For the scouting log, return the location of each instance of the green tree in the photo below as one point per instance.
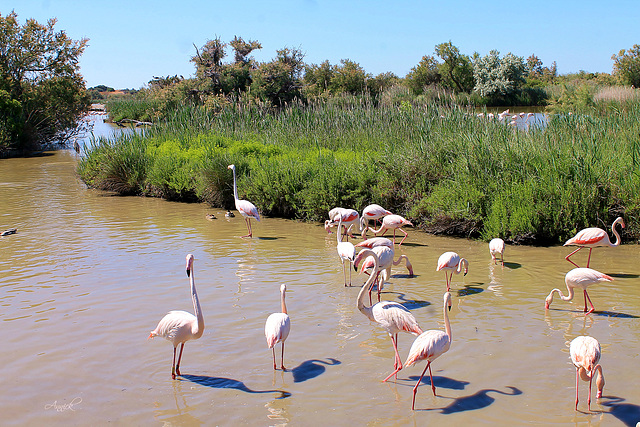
(349, 77)
(456, 70)
(626, 65)
(495, 76)
(279, 81)
(422, 75)
(42, 94)
(317, 78)
(208, 61)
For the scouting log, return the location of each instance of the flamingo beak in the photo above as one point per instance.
(188, 272)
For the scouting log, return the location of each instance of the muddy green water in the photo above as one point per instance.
(88, 275)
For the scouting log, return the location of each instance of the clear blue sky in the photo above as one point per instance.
(132, 41)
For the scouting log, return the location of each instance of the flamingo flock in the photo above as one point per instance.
(376, 256)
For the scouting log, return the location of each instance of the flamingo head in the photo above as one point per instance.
(447, 299)
(189, 264)
(232, 167)
(327, 226)
(548, 301)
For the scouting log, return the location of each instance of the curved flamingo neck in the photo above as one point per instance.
(284, 306)
(615, 233)
(235, 187)
(569, 296)
(339, 237)
(447, 325)
(360, 303)
(462, 264)
(196, 306)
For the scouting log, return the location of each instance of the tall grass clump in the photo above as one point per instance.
(440, 165)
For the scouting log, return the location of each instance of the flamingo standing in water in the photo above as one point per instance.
(582, 278)
(593, 237)
(452, 262)
(385, 261)
(277, 327)
(371, 212)
(181, 326)
(585, 355)
(375, 241)
(496, 246)
(245, 207)
(346, 252)
(393, 317)
(350, 218)
(392, 222)
(429, 346)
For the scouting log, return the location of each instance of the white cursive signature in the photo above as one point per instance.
(61, 407)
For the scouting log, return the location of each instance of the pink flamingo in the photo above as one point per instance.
(429, 346)
(392, 222)
(277, 327)
(375, 241)
(496, 246)
(385, 261)
(350, 218)
(393, 317)
(181, 326)
(582, 278)
(246, 208)
(452, 262)
(346, 252)
(585, 355)
(593, 237)
(371, 212)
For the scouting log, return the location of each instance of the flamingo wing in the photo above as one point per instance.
(587, 237)
(175, 326)
(448, 260)
(585, 352)
(276, 328)
(395, 318)
(428, 346)
(346, 250)
(247, 209)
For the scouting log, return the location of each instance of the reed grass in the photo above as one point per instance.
(442, 167)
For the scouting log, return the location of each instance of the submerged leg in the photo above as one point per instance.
(179, 359)
(577, 382)
(273, 351)
(282, 358)
(173, 365)
(415, 389)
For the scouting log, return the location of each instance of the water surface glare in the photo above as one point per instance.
(88, 275)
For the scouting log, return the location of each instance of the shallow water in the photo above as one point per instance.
(88, 275)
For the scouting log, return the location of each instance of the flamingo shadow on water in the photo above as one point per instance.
(409, 304)
(601, 313)
(470, 290)
(312, 368)
(478, 400)
(441, 382)
(512, 265)
(628, 413)
(218, 382)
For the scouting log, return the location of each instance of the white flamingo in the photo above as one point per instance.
(392, 222)
(277, 327)
(372, 212)
(582, 278)
(181, 326)
(393, 317)
(593, 237)
(496, 246)
(245, 207)
(385, 261)
(346, 252)
(451, 261)
(585, 355)
(429, 346)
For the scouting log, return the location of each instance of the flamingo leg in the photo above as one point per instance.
(179, 359)
(586, 297)
(415, 389)
(394, 236)
(248, 222)
(589, 258)
(589, 395)
(273, 351)
(433, 386)
(173, 365)
(567, 257)
(405, 236)
(577, 382)
(282, 358)
(398, 363)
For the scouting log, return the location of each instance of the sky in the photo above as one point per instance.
(131, 42)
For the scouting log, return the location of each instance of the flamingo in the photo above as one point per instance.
(392, 222)
(375, 241)
(277, 327)
(496, 246)
(350, 217)
(429, 346)
(585, 355)
(371, 212)
(593, 237)
(582, 278)
(346, 252)
(181, 326)
(246, 208)
(451, 261)
(385, 261)
(393, 317)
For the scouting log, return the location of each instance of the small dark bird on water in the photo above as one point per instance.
(229, 214)
(9, 231)
(210, 217)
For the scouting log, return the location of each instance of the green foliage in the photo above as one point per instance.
(497, 76)
(423, 75)
(42, 95)
(456, 70)
(626, 65)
